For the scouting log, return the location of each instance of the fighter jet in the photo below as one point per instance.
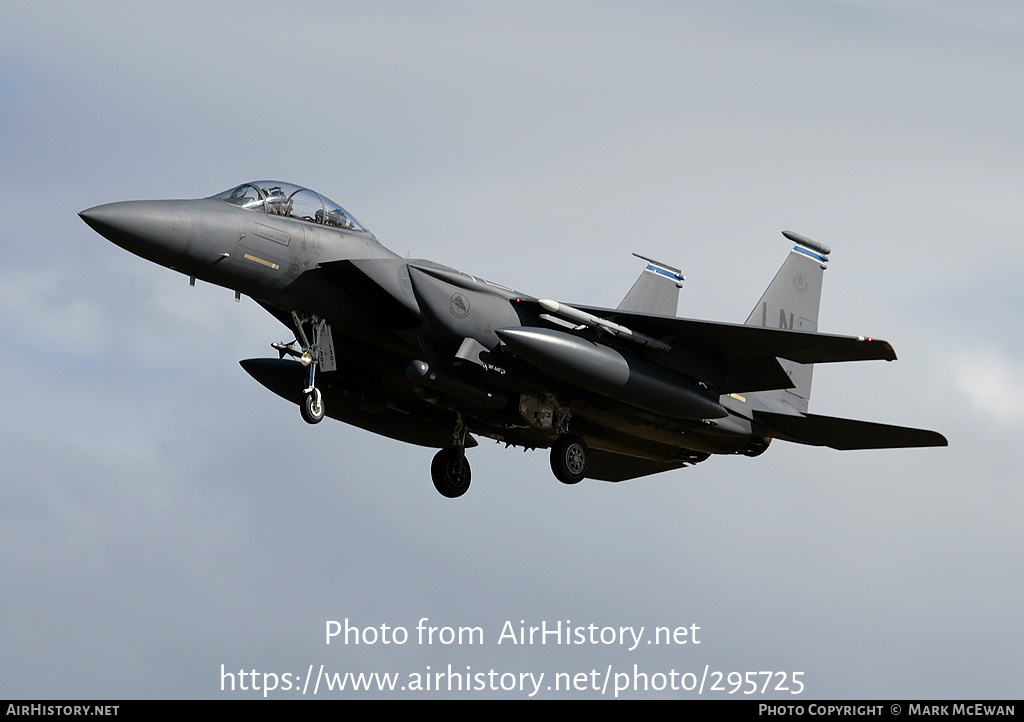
(425, 354)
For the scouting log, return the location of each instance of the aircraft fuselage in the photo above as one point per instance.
(425, 354)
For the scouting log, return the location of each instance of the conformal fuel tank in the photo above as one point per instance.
(607, 371)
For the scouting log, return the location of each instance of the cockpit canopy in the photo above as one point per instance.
(285, 199)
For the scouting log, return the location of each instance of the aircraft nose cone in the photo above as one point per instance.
(156, 230)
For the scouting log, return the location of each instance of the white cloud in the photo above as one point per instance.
(993, 384)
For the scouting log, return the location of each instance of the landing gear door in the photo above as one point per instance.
(325, 352)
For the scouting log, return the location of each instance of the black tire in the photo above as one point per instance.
(570, 458)
(312, 412)
(450, 472)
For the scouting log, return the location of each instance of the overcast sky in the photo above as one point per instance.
(161, 514)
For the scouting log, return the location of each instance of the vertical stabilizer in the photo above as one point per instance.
(791, 302)
(656, 291)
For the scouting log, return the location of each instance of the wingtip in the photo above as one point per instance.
(888, 352)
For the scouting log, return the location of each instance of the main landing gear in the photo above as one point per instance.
(450, 472)
(450, 468)
(569, 459)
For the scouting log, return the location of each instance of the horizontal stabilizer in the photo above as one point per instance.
(845, 434)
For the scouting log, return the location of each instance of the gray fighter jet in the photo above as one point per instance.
(425, 354)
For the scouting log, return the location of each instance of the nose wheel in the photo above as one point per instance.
(312, 407)
(569, 459)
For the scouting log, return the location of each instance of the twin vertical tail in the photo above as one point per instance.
(791, 302)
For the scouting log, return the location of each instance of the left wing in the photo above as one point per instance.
(738, 342)
(733, 357)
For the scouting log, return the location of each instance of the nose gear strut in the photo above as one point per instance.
(310, 354)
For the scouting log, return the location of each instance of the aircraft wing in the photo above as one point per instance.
(739, 342)
(734, 357)
(609, 466)
(845, 434)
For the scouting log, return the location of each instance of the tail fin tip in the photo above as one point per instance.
(820, 252)
(656, 291)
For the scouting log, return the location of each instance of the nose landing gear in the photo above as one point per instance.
(319, 352)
